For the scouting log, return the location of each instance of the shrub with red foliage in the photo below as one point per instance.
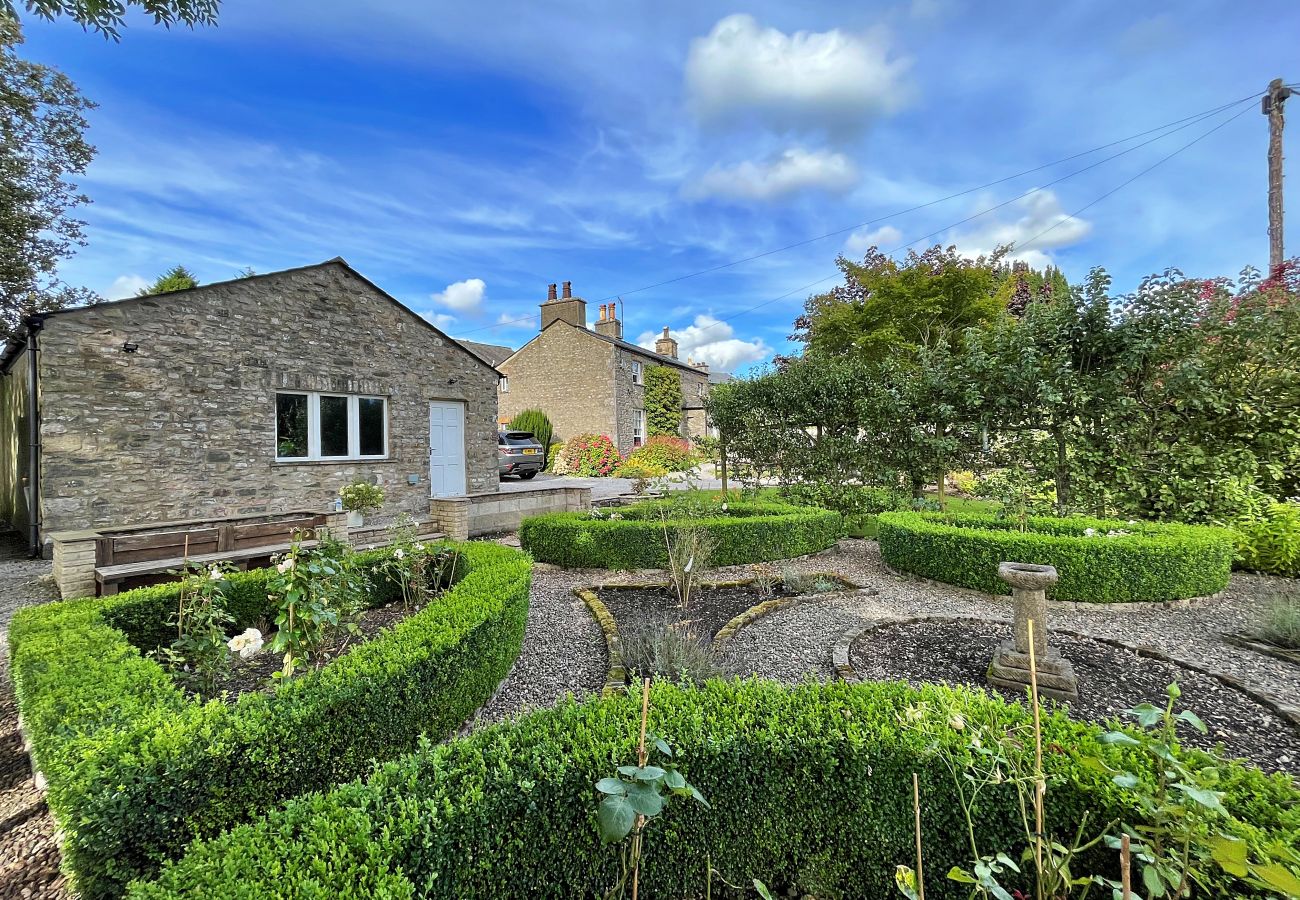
(589, 455)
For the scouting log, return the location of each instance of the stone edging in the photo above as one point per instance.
(1291, 656)
(1070, 605)
(616, 673)
(776, 604)
(844, 666)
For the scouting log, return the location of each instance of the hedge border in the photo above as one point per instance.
(806, 783)
(1151, 563)
(752, 532)
(844, 668)
(135, 769)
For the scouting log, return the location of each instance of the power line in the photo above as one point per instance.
(1020, 246)
(1183, 123)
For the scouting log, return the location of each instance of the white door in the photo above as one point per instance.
(446, 448)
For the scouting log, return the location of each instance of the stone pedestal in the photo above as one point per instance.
(1010, 666)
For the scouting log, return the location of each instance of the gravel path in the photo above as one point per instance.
(29, 857)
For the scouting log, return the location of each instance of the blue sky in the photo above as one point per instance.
(465, 157)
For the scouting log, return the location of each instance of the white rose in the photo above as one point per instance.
(215, 574)
(399, 553)
(246, 644)
(285, 566)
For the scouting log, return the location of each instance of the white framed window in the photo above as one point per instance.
(702, 389)
(636, 372)
(315, 426)
(504, 384)
(638, 429)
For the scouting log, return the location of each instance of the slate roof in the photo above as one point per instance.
(492, 354)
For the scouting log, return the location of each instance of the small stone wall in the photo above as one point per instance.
(463, 517)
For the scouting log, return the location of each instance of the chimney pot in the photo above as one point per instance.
(602, 312)
(550, 292)
(568, 290)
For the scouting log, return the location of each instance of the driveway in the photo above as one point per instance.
(603, 488)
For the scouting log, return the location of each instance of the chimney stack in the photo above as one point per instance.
(609, 325)
(568, 308)
(665, 345)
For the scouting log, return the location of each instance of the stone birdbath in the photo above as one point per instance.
(1010, 666)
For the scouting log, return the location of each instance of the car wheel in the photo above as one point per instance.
(526, 475)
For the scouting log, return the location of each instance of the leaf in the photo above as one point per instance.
(662, 746)
(1194, 720)
(645, 799)
(957, 873)
(1126, 780)
(1278, 878)
(612, 786)
(762, 890)
(1120, 738)
(1230, 853)
(614, 819)
(674, 780)
(1204, 796)
(698, 797)
(1154, 884)
(905, 881)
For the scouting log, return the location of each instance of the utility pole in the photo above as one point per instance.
(1271, 106)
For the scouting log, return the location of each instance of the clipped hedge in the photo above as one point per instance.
(136, 769)
(808, 786)
(748, 532)
(1152, 562)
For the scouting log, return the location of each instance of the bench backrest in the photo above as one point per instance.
(197, 540)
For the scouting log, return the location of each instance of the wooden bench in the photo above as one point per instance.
(149, 556)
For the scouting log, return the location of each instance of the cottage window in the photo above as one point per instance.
(504, 384)
(702, 389)
(638, 429)
(636, 372)
(312, 426)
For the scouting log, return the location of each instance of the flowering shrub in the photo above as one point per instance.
(197, 657)
(362, 496)
(664, 451)
(638, 468)
(589, 455)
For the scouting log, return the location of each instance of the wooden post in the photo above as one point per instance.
(1272, 107)
(640, 761)
(1040, 783)
(723, 455)
(1125, 869)
(916, 809)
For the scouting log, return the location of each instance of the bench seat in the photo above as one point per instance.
(109, 577)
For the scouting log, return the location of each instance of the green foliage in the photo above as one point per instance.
(640, 469)
(663, 401)
(1280, 622)
(746, 532)
(690, 550)
(1179, 828)
(108, 17)
(664, 451)
(177, 278)
(810, 787)
(536, 423)
(588, 455)
(317, 593)
(669, 650)
(361, 496)
(1099, 561)
(199, 657)
(136, 769)
(42, 121)
(851, 500)
(1268, 540)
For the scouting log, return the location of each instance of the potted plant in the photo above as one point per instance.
(361, 497)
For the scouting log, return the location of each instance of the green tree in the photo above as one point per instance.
(177, 278)
(539, 425)
(663, 400)
(42, 148)
(107, 16)
(886, 307)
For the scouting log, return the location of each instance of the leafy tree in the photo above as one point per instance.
(663, 400)
(539, 425)
(107, 16)
(177, 278)
(42, 121)
(886, 307)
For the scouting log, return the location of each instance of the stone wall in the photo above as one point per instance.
(13, 442)
(184, 428)
(463, 517)
(567, 373)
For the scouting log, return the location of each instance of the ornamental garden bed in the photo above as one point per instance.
(809, 789)
(1099, 560)
(136, 768)
(634, 537)
(1111, 679)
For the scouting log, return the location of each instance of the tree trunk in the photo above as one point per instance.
(1063, 498)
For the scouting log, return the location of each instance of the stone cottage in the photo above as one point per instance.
(590, 380)
(258, 395)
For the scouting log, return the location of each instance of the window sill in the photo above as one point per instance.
(364, 460)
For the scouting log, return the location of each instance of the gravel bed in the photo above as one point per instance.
(563, 652)
(1111, 680)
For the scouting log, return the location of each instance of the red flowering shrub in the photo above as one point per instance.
(664, 451)
(589, 455)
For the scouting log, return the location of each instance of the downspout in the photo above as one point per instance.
(34, 326)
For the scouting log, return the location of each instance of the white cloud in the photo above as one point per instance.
(831, 79)
(794, 170)
(886, 237)
(124, 286)
(712, 341)
(442, 321)
(1039, 222)
(462, 296)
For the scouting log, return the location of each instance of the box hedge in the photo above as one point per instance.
(1099, 560)
(136, 769)
(809, 786)
(749, 531)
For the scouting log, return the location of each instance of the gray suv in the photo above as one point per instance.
(519, 453)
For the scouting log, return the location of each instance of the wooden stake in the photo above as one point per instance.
(916, 809)
(1125, 873)
(641, 756)
(1040, 784)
